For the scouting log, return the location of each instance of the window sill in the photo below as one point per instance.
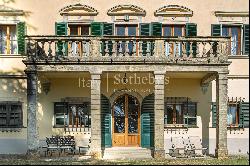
(11, 56)
(238, 57)
(180, 126)
(8, 129)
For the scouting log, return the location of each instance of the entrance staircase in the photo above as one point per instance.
(127, 153)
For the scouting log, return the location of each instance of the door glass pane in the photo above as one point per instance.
(120, 30)
(119, 115)
(170, 111)
(235, 42)
(132, 31)
(225, 31)
(167, 31)
(85, 30)
(179, 115)
(231, 115)
(178, 31)
(133, 107)
(73, 30)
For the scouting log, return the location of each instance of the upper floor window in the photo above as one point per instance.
(79, 29)
(239, 34)
(235, 33)
(8, 39)
(11, 115)
(173, 30)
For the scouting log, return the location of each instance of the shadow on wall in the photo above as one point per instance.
(6, 3)
(13, 85)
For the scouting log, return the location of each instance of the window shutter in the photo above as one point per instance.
(147, 122)
(21, 32)
(144, 31)
(156, 29)
(97, 28)
(246, 39)
(244, 114)
(106, 122)
(61, 30)
(216, 29)
(108, 29)
(214, 117)
(191, 30)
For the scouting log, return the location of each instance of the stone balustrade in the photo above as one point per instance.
(127, 48)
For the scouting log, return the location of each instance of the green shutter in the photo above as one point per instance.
(21, 32)
(244, 114)
(105, 122)
(214, 116)
(61, 30)
(97, 28)
(216, 29)
(156, 29)
(147, 122)
(246, 39)
(108, 29)
(144, 31)
(191, 30)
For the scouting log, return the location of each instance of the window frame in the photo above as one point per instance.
(68, 116)
(241, 47)
(8, 38)
(172, 26)
(184, 105)
(237, 116)
(9, 111)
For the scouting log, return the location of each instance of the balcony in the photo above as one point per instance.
(131, 50)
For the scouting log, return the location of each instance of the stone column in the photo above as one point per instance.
(221, 116)
(159, 151)
(95, 148)
(32, 125)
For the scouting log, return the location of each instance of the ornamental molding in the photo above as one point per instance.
(123, 10)
(174, 11)
(78, 10)
(231, 14)
(9, 11)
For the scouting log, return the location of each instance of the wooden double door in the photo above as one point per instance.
(126, 121)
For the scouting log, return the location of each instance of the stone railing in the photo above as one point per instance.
(120, 48)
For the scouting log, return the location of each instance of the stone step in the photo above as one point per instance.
(127, 153)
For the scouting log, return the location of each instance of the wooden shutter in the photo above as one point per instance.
(144, 31)
(246, 39)
(191, 30)
(21, 32)
(61, 30)
(156, 29)
(108, 29)
(97, 28)
(147, 122)
(214, 116)
(106, 122)
(216, 29)
(244, 114)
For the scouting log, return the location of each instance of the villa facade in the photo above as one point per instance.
(124, 74)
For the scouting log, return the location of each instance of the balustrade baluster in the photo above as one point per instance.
(191, 50)
(50, 50)
(140, 48)
(114, 48)
(148, 50)
(120, 48)
(127, 48)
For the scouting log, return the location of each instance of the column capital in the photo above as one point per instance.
(160, 72)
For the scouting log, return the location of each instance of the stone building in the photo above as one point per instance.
(124, 74)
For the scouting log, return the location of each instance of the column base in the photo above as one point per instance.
(32, 154)
(96, 154)
(159, 154)
(221, 153)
